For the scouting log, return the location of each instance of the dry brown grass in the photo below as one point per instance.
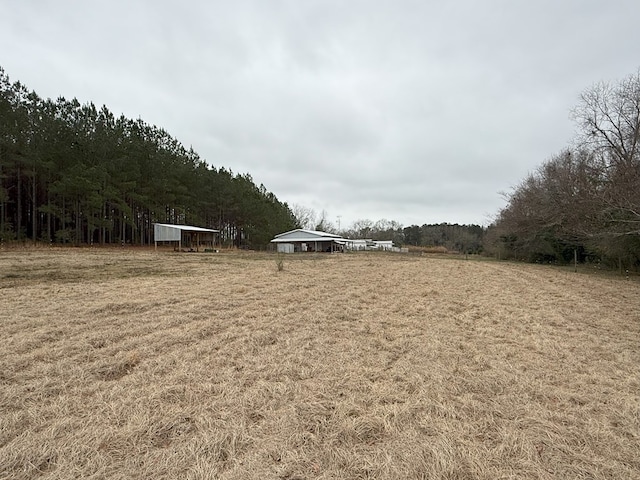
(135, 364)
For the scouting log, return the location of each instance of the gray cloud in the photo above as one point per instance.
(409, 110)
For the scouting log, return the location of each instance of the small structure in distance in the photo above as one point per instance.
(369, 244)
(301, 240)
(185, 236)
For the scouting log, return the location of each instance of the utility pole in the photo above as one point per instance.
(339, 217)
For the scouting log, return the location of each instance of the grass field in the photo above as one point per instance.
(135, 364)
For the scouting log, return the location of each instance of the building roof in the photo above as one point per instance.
(187, 228)
(303, 235)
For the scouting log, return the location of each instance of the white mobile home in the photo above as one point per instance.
(368, 244)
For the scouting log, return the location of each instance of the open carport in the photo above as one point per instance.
(184, 236)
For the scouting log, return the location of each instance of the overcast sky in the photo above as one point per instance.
(414, 111)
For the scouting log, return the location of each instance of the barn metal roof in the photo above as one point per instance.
(188, 228)
(303, 235)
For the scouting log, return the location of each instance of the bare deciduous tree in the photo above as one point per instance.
(305, 216)
(589, 197)
(324, 225)
(609, 118)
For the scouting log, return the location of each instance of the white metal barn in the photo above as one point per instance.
(301, 240)
(184, 236)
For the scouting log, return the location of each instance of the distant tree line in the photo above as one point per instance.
(379, 230)
(585, 200)
(72, 173)
(454, 237)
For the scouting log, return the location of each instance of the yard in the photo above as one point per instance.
(124, 363)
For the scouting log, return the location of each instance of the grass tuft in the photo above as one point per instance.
(120, 368)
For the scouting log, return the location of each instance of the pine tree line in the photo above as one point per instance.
(72, 173)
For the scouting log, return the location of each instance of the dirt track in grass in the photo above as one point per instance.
(135, 364)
